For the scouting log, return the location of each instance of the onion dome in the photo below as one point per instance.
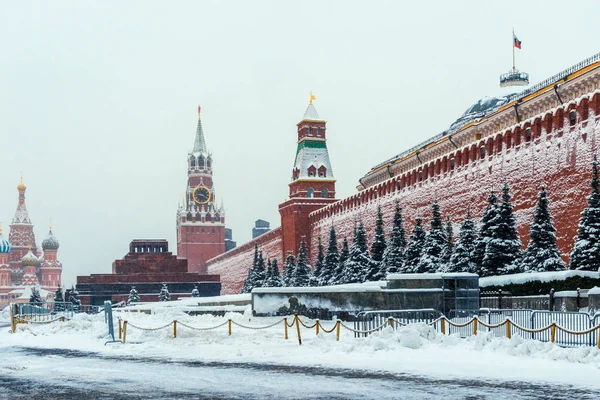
(29, 259)
(21, 185)
(5, 246)
(50, 243)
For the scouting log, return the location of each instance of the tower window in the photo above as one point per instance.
(312, 171)
(193, 162)
(318, 131)
(324, 193)
(310, 131)
(208, 162)
(310, 192)
(201, 162)
(322, 172)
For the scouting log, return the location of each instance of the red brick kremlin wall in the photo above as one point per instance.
(552, 149)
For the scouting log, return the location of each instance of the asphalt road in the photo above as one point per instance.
(31, 373)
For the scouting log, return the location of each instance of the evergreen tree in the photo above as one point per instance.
(462, 259)
(358, 263)
(338, 274)
(303, 271)
(195, 291)
(585, 254)
(274, 279)
(260, 272)
(133, 296)
(249, 282)
(378, 246)
(542, 253)
(332, 260)
(74, 299)
(449, 242)
(35, 297)
(268, 273)
(413, 253)
(485, 233)
(393, 256)
(436, 242)
(289, 269)
(503, 251)
(59, 300)
(317, 275)
(164, 294)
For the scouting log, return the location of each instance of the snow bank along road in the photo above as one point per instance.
(69, 360)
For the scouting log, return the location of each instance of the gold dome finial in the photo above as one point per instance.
(21, 185)
(312, 97)
(50, 224)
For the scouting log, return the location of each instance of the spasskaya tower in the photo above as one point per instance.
(200, 221)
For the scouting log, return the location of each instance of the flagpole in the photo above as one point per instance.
(513, 47)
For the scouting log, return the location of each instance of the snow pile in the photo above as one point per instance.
(504, 280)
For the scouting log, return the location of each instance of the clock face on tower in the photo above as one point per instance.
(201, 195)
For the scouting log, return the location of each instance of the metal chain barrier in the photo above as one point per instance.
(256, 328)
(202, 329)
(150, 329)
(368, 331)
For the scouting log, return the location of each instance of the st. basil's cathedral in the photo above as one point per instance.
(22, 264)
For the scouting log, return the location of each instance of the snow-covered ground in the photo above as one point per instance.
(416, 350)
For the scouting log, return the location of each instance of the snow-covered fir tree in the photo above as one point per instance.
(449, 242)
(462, 255)
(274, 278)
(134, 297)
(358, 263)
(74, 299)
(195, 291)
(432, 256)
(585, 254)
(378, 246)
(248, 283)
(485, 233)
(268, 273)
(164, 294)
(393, 256)
(35, 296)
(303, 270)
(260, 272)
(59, 300)
(412, 256)
(503, 251)
(332, 259)
(289, 269)
(542, 252)
(338, 273)
(317, 275)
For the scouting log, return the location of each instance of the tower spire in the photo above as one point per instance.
(199, 143)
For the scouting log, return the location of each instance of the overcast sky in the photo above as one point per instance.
(98, 99)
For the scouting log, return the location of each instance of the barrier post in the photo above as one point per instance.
(13, 317)
(391, 321)
(62, 319)
(174, 328)
(229, 326)
(124, 332)
(508, 328)
(598, 337)
(317, 327)
(443, 321)
(285, 328)
(297, 321)
(553, 332)
(338, 324)
(474, 326)
(120, 329)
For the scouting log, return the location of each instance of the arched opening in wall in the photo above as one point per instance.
(310, 132)
(193, 162)
(420, 175)
(474, 152)
(430, 170)
(458, 158)
(312, 171)
(572, 117)
(508, 139)
(208, 162)
(310, 192)
(188, 216)
(585, 109)
(322, 172)
(547, 124)
(489, 146)
(482, 151)
(517, 136)
(528, 134)
(558, 120)
(452, 164)
(537, 128)
(324, 193)
(445, 165)
(498, 144)
(318, 131)
(437, 167)
(201, 162)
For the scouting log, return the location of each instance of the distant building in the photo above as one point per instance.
(260, 227)
(147, 266)
(229, 242)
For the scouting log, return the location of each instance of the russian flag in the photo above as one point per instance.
(516, 42)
